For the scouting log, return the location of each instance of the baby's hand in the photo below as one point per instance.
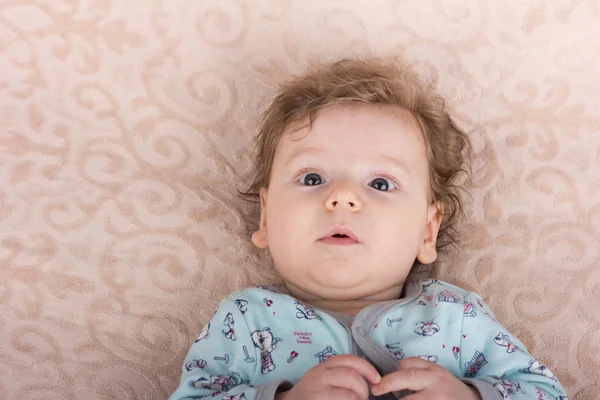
(428, 380)
(340, 377)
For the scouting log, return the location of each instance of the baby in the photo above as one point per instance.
(358, 172)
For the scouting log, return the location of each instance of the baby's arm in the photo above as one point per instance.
(222, 361)
(494, 361)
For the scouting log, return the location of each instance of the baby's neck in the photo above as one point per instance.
(349, 306)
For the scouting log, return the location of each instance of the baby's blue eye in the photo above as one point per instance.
(382, 184)
(311, 179)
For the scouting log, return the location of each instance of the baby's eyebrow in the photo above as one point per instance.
(384, 159)
(300, 152)
(393, 161)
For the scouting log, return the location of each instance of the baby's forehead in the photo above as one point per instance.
(358, 131)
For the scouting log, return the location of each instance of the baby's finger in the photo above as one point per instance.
(347, 378)
(416, 363)
(424, 395)
(412, 379)
(363, 367)
(342, 394)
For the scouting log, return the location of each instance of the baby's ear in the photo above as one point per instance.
(428, 253)
(259, 238)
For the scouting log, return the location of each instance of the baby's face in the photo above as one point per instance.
(361, 167)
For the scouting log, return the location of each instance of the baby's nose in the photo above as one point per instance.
(336, 204)
(343, 198)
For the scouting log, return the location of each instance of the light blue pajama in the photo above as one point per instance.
(261, 340)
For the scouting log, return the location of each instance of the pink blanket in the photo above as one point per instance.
(125, 133)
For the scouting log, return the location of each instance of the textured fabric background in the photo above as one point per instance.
(124, 135)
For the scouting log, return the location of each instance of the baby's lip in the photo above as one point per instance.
(341, 230)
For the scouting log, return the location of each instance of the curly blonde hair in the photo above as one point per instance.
(374, 82)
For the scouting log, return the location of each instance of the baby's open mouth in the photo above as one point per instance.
(340, 235)
(338, 239)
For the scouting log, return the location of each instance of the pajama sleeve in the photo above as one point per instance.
(222, 361)
(497, 363)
